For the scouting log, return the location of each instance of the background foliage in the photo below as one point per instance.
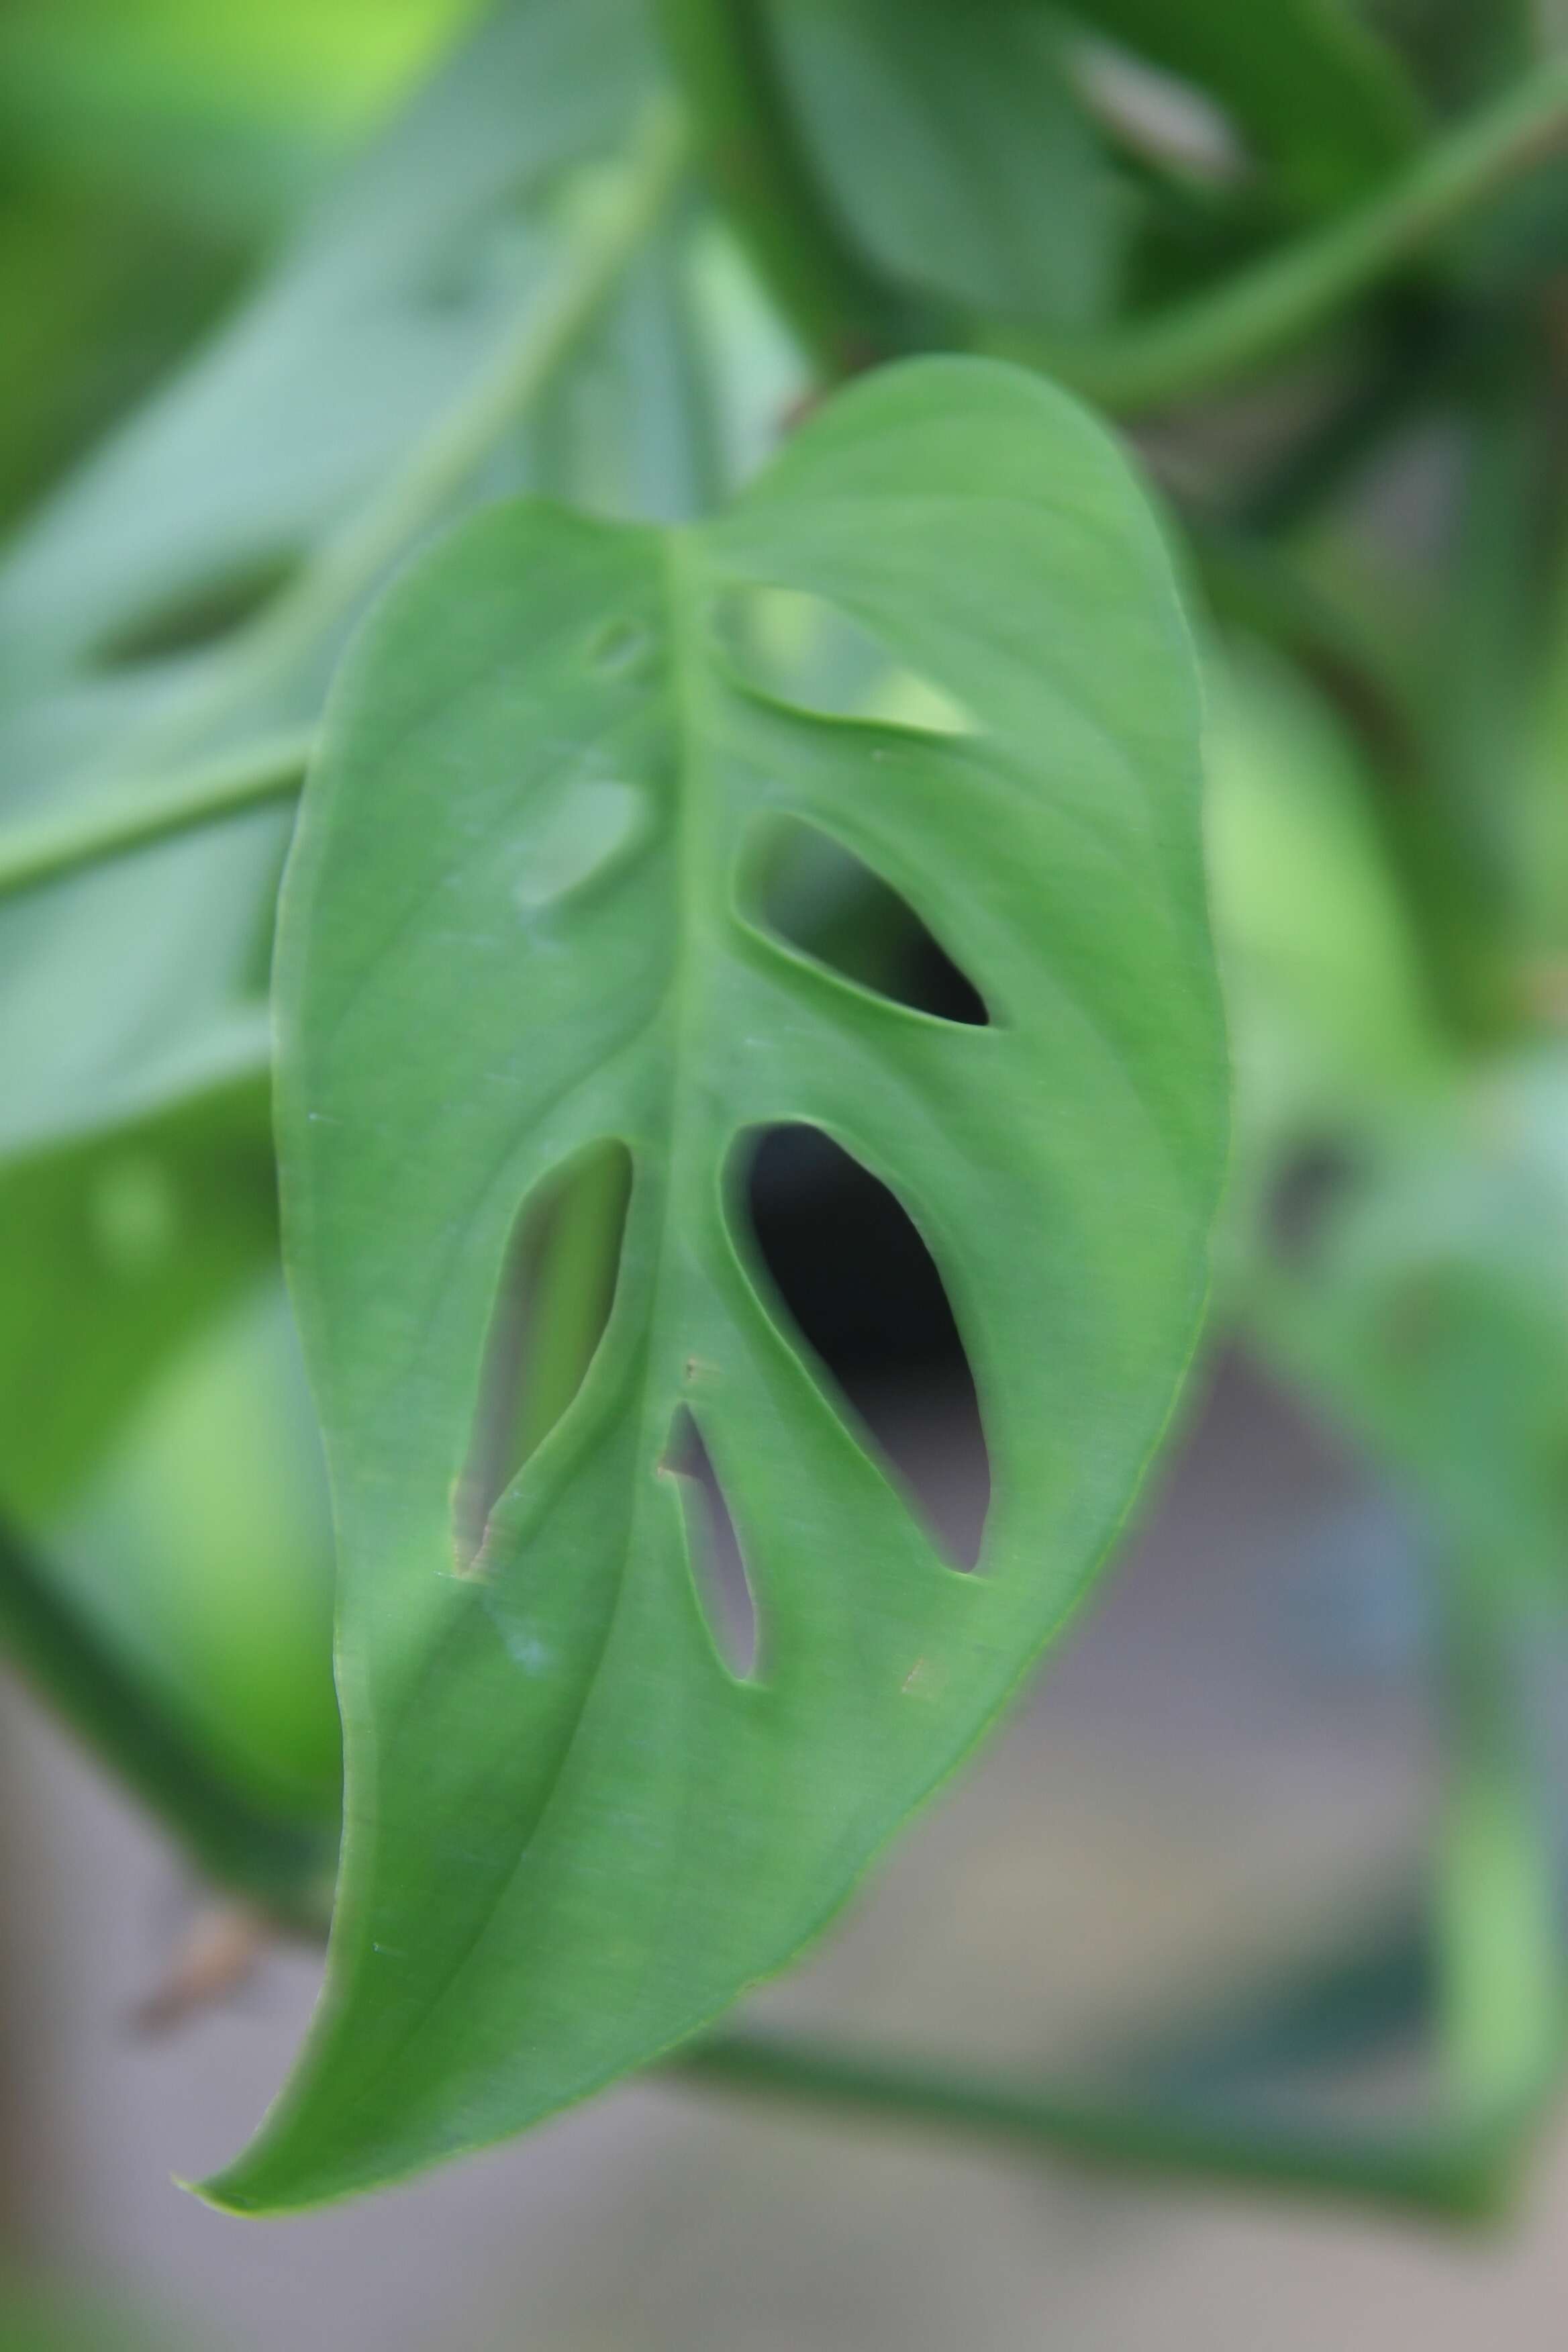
(1312, 265)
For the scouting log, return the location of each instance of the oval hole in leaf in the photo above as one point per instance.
(853, 1272)
(813, 892)
(197, 615)
(714, 1547)
(800, 649)
(554, 1300)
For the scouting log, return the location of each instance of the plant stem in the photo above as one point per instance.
(284, 1864)
(1500, 1957)
(32, 856)
(1457, 2172)
(1200, 344)
(722, 51)
(1484, 659)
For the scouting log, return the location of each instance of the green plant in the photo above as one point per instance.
(679, 411)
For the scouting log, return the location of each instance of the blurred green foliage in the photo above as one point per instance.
(262, 268)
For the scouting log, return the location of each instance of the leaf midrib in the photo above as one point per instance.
(691, 726)
(694, 831)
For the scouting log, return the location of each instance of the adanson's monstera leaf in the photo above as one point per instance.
(519, 925)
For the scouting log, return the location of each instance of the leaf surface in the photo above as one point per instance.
(1426, 1316)
(955, 147)
(126, 598)
(117, 1240)
(129, 1207)
(515, 928)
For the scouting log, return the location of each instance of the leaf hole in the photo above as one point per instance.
(813, 892)
(714, 1547)
(198, 616)
(552, 1302)
(800, 649)
(854, 1275)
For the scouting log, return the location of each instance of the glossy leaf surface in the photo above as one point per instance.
(512, 933)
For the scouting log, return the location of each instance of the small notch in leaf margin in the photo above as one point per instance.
(552, 1307)
(809, 890)
(717, 1563)
(856, 1289)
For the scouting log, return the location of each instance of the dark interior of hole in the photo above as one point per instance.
(816, 894)
(933, 982)
(198, 616)
(858, 1281)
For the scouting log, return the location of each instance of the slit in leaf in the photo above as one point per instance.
(197, 615)
(552, 1302)
(855, 1277)
(713, 1549)
(816, 895)
(798, 648)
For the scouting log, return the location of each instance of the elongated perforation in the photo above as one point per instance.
(713, 1549)
(856, 1286)
(811, 891)
(800, 649)
(197, 615)
(552, 1301)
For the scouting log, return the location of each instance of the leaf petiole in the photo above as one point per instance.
(1202, 343)
(1463, 2170)
(52, 848)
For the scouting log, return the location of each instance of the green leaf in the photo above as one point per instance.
(74, 1662)
(202, 1551)
(953, 145)
(394, 293)
(121, 604)
(189, 1646)
(1329, 1013)
(1326, 101)
(125, 601)
(511, 933)
(118, 1241)
(1428, 1314)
